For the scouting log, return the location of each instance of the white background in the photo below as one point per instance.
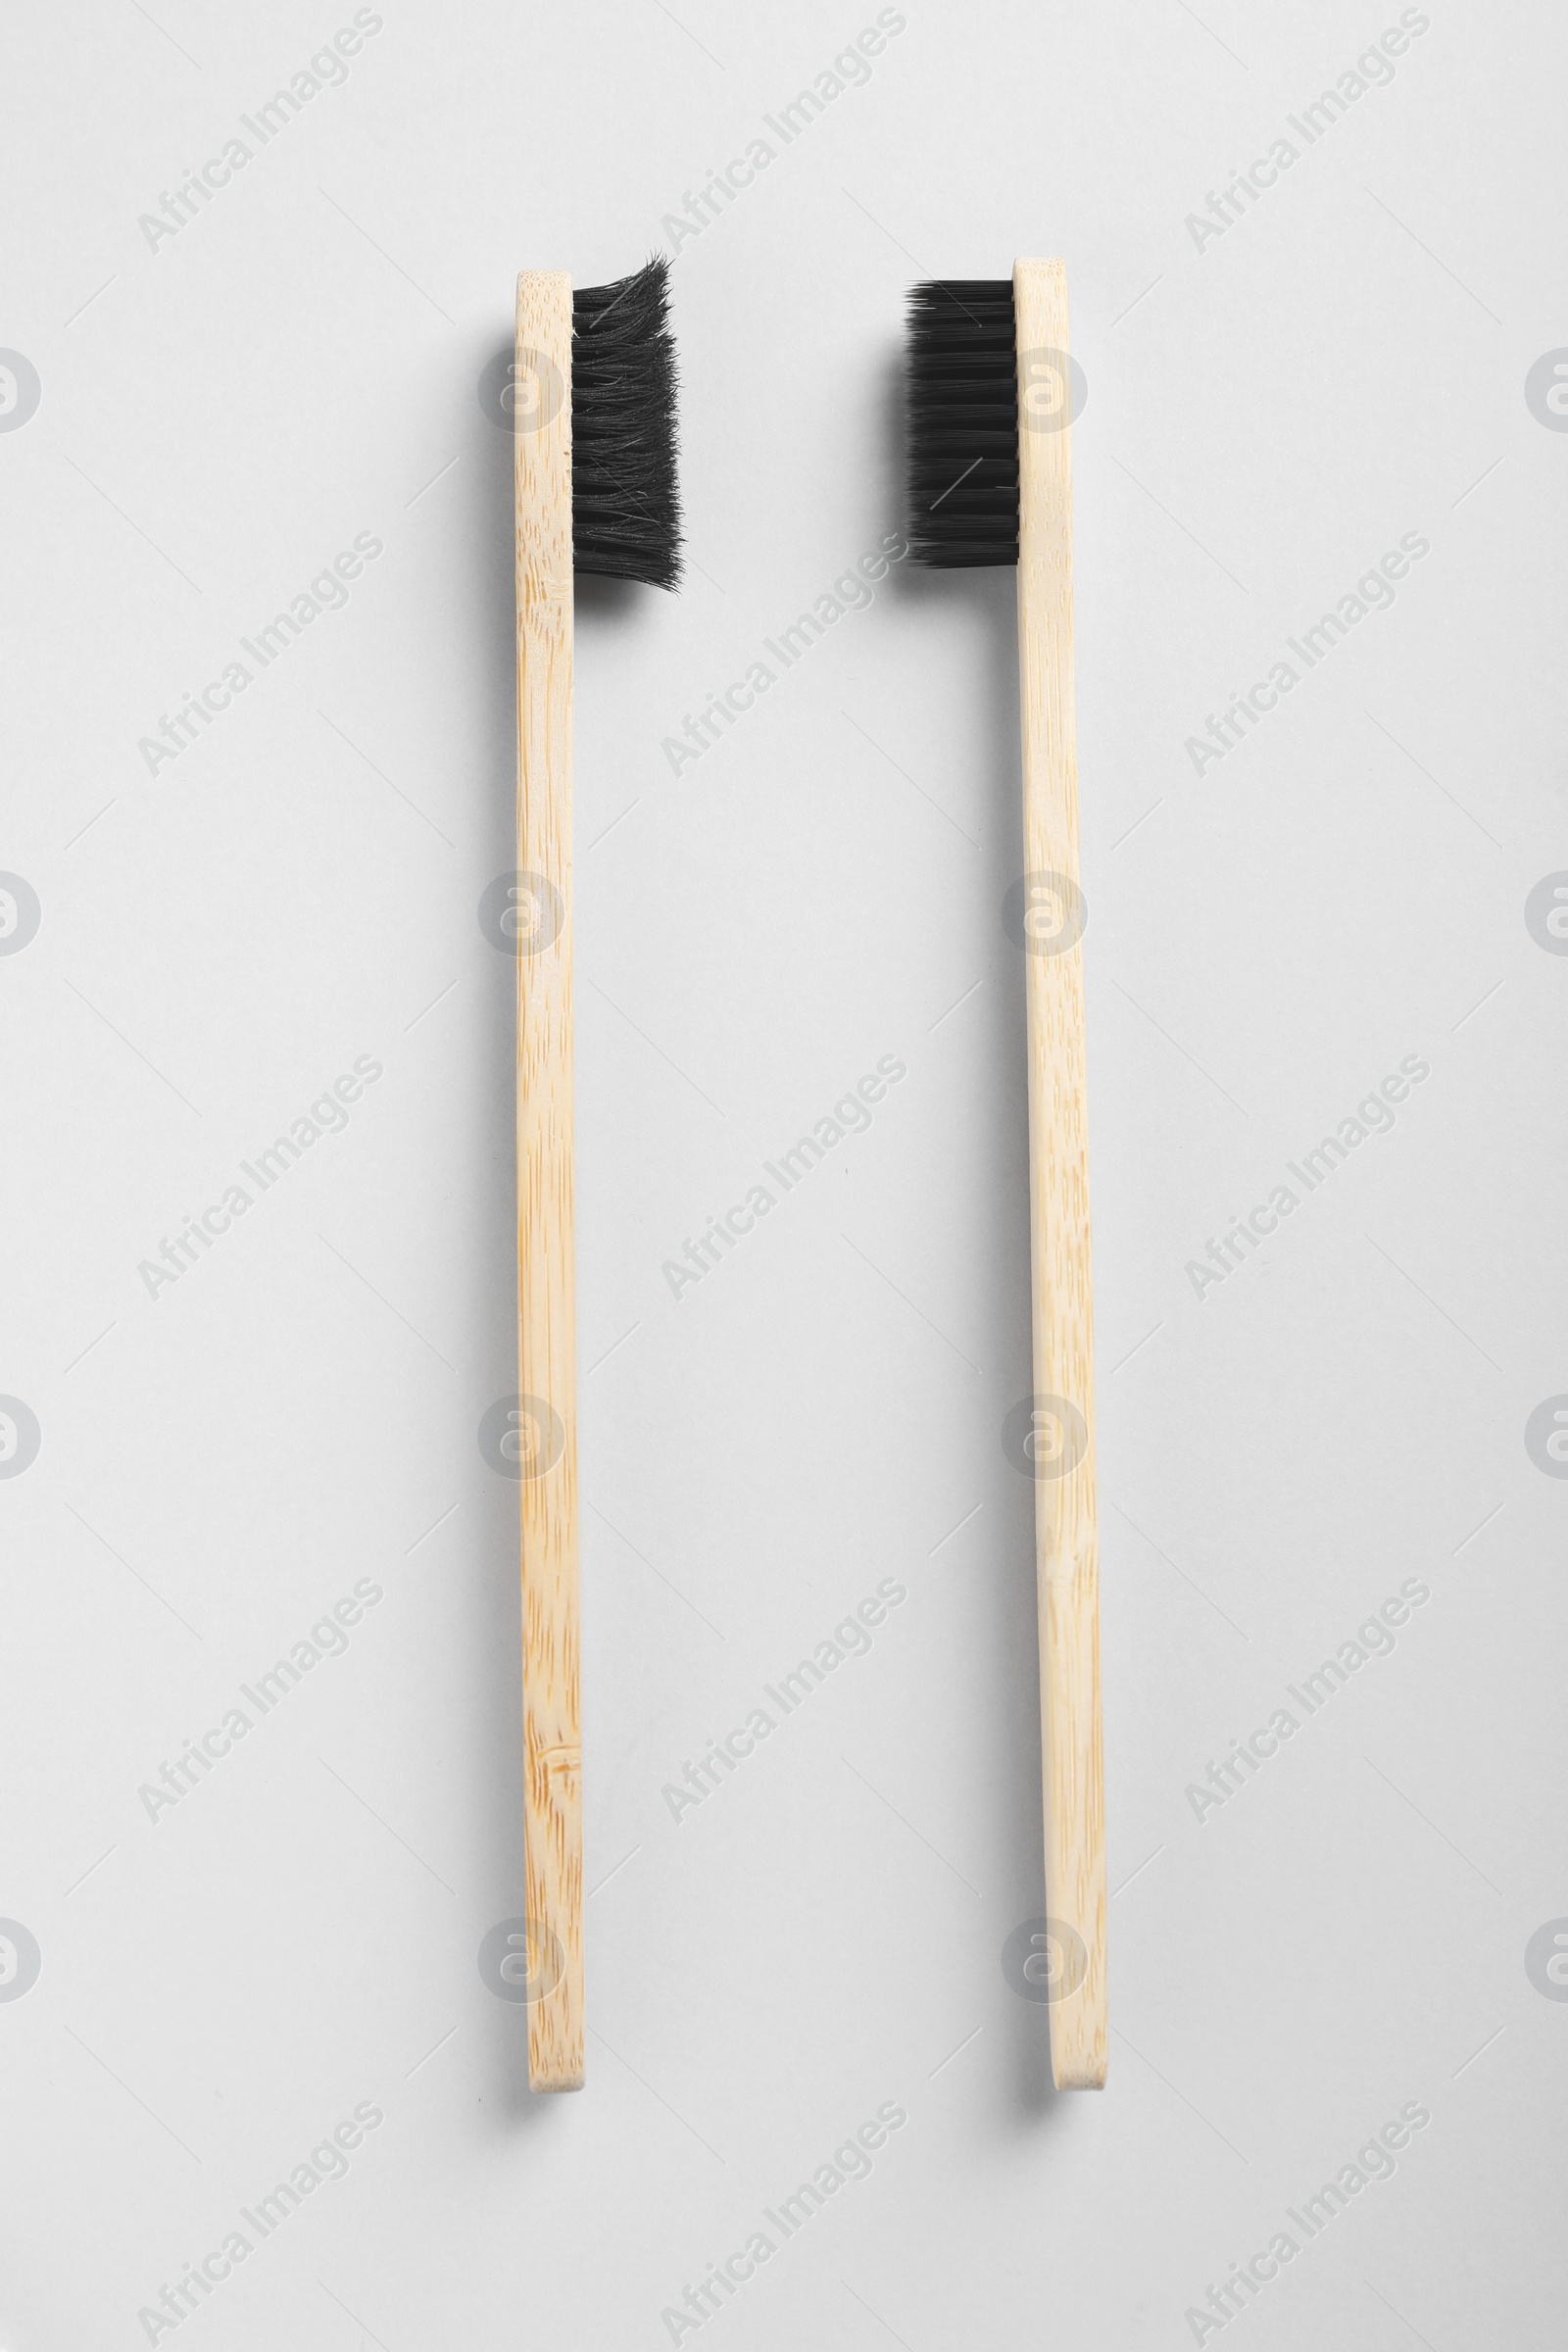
(1267, 415)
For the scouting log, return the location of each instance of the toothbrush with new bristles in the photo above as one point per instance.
(594, 422)
(990, 482)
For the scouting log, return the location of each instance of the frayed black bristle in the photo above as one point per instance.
(626, 517)
(963, 422)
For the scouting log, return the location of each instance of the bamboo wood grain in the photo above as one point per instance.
(546, 1422)
(1066, 1546)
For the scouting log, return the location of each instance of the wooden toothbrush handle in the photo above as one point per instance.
(1062, 1442)
(545, 1423)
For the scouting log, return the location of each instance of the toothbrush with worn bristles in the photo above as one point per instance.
(594, 422)
(990, 482)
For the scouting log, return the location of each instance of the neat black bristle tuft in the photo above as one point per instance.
(963, 422)
(626, 517)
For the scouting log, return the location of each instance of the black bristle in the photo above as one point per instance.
(626, 517)
(963, 422)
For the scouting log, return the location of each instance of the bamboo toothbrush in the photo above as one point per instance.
(990, 482)
(594, 425)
